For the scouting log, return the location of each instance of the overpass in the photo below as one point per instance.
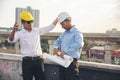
(6, 29)
(87, 36)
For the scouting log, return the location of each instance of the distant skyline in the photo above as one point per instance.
(87, 15)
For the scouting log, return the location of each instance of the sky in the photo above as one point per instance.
(94, 16)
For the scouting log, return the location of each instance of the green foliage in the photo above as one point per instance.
(45, 45)
(85, 42)
(6, 44)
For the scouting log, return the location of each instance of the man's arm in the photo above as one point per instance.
(56, 45)
(15, 28)
(55, 22)
(46, 29)
(78, 43)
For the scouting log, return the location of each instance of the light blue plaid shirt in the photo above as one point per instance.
(71, 42)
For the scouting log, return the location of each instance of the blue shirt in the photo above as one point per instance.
(71, 42)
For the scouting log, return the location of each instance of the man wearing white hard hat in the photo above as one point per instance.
(70, 43)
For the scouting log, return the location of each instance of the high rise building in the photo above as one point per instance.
(34, 12)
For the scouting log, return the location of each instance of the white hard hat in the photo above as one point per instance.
(62, 16)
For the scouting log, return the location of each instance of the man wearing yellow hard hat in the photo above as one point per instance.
(29, 39)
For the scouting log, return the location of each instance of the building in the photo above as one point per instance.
(97, 52)
(34, 12)
(113, 32)
(116, 56)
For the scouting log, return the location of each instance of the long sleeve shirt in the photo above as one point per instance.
(71, 42)
(30, 41)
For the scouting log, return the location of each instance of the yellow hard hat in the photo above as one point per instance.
(25, 15)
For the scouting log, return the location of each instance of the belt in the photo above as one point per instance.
(32, 58)
(75, 59)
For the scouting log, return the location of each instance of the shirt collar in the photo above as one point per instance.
(26, 30)
(72, 29)
(23, 30)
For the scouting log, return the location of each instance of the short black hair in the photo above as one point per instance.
(23, 21)
(26, 21)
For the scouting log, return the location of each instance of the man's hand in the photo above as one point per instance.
(15, 27)
(62, 54)
(58, 53)
(55, 21)
(55, 51)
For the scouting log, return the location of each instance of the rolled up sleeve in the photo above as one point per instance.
(16, 38)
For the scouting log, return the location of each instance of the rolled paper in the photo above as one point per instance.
(65, 62)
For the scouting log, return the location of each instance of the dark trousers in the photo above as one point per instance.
(32, 68)
(70, 73)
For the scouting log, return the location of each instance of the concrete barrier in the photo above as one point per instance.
(10, 69)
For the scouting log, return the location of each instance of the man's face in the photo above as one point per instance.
(66, 24)
(27, 24)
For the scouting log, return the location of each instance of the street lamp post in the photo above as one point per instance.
(107, 54)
